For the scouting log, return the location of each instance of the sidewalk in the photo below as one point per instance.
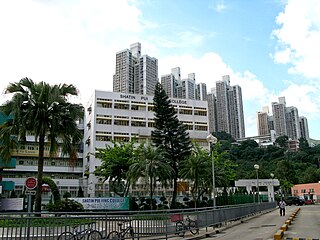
(262, 227)
(306, 224)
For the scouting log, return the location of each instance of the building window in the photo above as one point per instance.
(121, 106)
(151, 124)
(121, 122)
(185, 111)
(138, 124)
(303, 191)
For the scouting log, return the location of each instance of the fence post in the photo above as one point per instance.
(28, 220)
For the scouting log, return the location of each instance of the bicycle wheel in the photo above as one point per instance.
(66, 236)
(94, 235)
(114, 235)
(180, 228)
(129, 234)
(193, 226)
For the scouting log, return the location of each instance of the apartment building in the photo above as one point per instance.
(135, 73)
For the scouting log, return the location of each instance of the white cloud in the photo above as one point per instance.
(218, 6)
(299, 37)
(303, 97)
(72, 42)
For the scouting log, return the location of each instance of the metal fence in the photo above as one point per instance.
(145, 224)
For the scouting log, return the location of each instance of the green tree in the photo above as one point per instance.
(43, 110)
(54, 188)
(115, 163)
(311, 175)
(170, 134)
(224, 169)
(303, 144)
(197, 168)
(282, 141)
(151, 166)
(286, 174)
(223, 136)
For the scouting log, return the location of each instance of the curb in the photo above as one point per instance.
(302, 238)
(280, 233)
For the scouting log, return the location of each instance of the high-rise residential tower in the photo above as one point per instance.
(304, 129)
(170, 81)
(279, 117)
(223, 123)
(262, 123)
(229, 108)
(292, 123)
(135, 73)
(237, 129)
(212, 112)
(186, 88)
(201, 91)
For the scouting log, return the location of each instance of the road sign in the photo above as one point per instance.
(31, 183)
(30, 192)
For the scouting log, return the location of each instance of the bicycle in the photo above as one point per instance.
(190, 225)
(124, 233)
(87, 234)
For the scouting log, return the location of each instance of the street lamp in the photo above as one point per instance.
(212, 140)
(256, 167)
(272, 192)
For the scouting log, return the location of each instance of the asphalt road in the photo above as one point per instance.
(306, 225)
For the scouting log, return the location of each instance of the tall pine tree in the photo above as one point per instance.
(170, 135)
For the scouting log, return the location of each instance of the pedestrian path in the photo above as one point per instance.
(306, 224)
(258, 227)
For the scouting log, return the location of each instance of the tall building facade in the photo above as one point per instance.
(285, 121)
(183, 89)
(304, 129)
(228, 109)
(292, 122)
(223, 123)
(279, 118)
(169, 84)
(201, 91)
(262, 123)
(212, 112)
(135, 73)
(237, 129)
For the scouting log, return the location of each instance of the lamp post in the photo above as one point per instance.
(256, 167)
(212, 140)
(272, 192)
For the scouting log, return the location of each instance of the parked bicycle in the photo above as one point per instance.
(188, 224)
(125, 232)
(86, 234)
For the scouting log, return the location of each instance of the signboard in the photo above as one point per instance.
(11, 204)
(31, 183)
(30, 192)
(111, 203)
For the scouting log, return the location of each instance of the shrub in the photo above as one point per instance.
(67, 205)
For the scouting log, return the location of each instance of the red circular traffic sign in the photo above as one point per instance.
(31, 183)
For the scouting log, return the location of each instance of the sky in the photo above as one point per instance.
(270, 48)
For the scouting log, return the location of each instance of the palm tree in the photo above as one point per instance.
(43, 110)
(115, 163)
(151, 166)
(197, 168)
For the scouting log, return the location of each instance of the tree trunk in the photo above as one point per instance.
(40, 172)
(174, 194)
(151, 193)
